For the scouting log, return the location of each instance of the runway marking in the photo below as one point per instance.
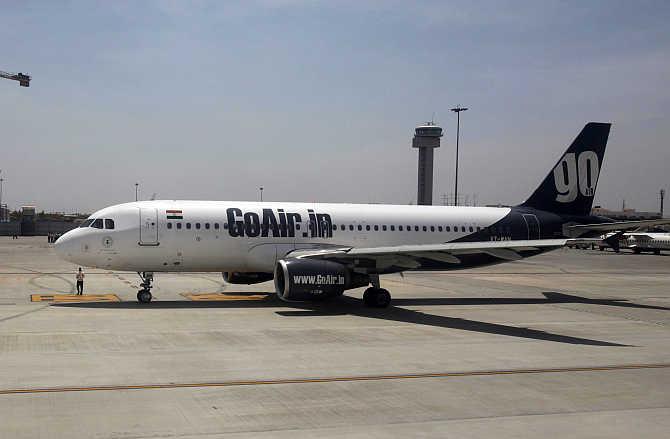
(223, 296)
(334, 379)
(66, 298)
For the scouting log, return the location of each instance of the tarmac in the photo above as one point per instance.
(574, 343)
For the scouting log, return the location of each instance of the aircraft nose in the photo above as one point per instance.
(64, 245)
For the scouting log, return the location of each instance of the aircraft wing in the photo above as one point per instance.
(618, 225)
(638, 236)
(427, 256)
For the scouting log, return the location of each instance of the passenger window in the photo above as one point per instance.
(178, 226)
(448, 229)
(384, 228)
(188, 225)
(462, 228)
(225, 226)
(416, 228)
(197, 226)
(360, 227)
(216, 226)
(425, 229)
(432, 228)
(439, 228)
(297, 226)
(400, 228)
(376, 228)
(367, 227)
(334, 227)
(207, 226)
(169, 225)
(97, 223)
(471, 229)
(342, 227)
(351, 227)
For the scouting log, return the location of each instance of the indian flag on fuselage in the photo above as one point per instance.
(174, 214)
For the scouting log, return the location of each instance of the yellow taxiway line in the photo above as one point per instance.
(65, 298)
(332, 379)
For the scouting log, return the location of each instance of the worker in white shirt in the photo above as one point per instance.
(80, 282)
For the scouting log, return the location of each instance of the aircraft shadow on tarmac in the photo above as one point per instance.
(347, 305)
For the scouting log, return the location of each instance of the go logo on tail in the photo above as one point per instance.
(573, 175)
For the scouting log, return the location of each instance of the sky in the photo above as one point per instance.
(318, 100)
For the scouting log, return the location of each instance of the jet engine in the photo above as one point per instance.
(309, 279)
(234, 277)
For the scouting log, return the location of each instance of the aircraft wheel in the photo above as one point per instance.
(369, 296)
(144, 296)
(377, 297)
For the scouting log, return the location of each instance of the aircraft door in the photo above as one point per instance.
(148, 226)
(533, 226)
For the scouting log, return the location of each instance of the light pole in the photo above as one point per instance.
(457, 110)
(2, 215)
(136, 186)
(261, 189)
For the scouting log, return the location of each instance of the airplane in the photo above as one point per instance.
(315, 251)
(639, 242)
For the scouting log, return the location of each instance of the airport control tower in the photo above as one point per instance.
(426, 138)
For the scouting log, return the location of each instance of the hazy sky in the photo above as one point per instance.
(317, 101)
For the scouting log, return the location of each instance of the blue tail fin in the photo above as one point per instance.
(570, 186)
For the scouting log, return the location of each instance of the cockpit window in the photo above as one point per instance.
(86, 223)
(97, 223)
(109, 223)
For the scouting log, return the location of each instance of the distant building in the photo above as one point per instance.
(625, 214)
(29, 222)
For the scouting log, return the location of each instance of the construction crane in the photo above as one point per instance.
(24, 80)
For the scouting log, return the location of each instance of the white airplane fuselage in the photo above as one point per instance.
(206, 236)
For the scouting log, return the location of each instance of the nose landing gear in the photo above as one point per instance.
(144, 295)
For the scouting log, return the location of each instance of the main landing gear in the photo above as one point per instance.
(144, 295)
(375, 296)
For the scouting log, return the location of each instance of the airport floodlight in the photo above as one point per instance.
(457, 110)
(24, 80)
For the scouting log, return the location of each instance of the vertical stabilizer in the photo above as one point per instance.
(571, 185)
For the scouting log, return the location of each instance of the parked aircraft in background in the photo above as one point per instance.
(315, 251)
(638, 242)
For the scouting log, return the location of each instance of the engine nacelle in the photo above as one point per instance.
(234, 277)
(310, 279)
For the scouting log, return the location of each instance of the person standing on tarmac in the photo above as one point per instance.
(80, 282)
